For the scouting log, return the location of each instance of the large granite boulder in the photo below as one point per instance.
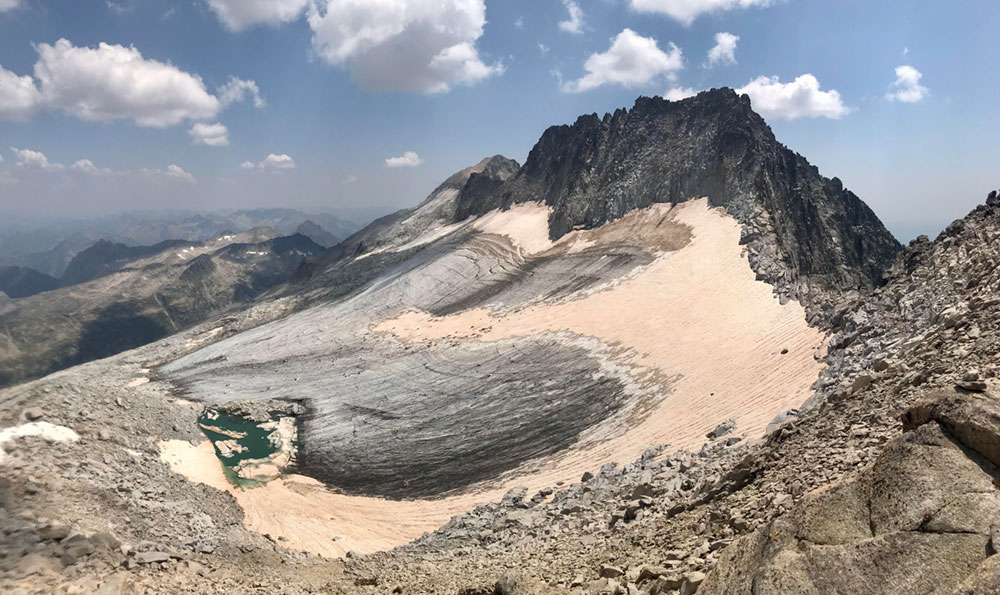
(922, 519)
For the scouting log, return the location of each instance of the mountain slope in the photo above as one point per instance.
(49, 246)
(318, 234)
(138, 295)
(419, 224)
(19, 282)
(802, 230)
(439, 337)
(103, 257)
(578, 384)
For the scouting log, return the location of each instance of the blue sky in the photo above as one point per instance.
(344, 85)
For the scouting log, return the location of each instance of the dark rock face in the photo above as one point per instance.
(105, 256)
(482, 184)
(407, 443)
(802, 230)
(19, 282)
(318, 234)
(201, 267)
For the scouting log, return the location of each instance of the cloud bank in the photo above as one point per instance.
(114, 82)
(686, 11)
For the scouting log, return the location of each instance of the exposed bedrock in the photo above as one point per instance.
(803, 230)
(472, 183)
(388, 420)
(546, 278)
(442, 419)
(922, 519)
(393, 419)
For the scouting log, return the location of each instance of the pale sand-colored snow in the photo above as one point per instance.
(525, 224)
(40, 429)
(696, 315)
(309, 516)
(137, 382)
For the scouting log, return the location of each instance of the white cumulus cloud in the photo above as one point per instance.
(801, 98)
(425, 46)
(241, 14)
(237, 89)
(574, 22)
(87, 166)
(28, 160)
(6, 5)
(631, 61)
(37, 159)
(905, 88)
(678, 93)
(686, 11)
(407, 159)
(213, 135)
(173, 172)
(272, 163)
(19, 98)
(113, 82)
(724, 50)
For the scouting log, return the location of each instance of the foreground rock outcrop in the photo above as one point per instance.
(922, 519)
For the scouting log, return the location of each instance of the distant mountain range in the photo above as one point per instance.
(115, 297)
(50, 247)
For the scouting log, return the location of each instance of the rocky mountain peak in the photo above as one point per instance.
(804, 232)
(317, 233)
(102, 257)
(490, 167)
(470, 186)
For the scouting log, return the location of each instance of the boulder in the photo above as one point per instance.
(974, 420)
(516, 583)
(151, 557)
(609, 571)
(33, 564)
(117, 584)
(919, 520)
(722, 429)
(34, 413)
(861, 383)
(54, 532)
(691, 582)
